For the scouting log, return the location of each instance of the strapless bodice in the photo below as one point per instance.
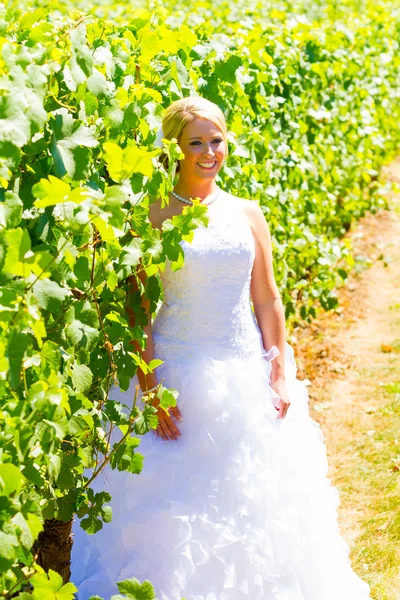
(207, 308)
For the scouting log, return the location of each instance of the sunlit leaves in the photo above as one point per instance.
(10, 210)
(81, 377)
(54, 191)
(50, 295)
(312, 114)
(97, 513)
(122, 163)
(134, 590)
(20, 260)
(70, 145)
(50, 586)
(11, 479)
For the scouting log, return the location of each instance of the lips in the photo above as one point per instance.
(207, 165)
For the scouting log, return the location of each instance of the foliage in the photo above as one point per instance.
(312, 111)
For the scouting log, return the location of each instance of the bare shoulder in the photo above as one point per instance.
(252, 211)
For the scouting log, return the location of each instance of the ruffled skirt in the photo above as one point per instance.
(238, 508)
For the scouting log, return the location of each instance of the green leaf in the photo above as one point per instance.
(15, 129)
(22, 530)
(140, 160)
(70, 144)
(86, 455)
(58, 427)
(35, 525)
(80, 425)
(97, 84)
(106, 513)
(121, 164)
(50, 191)
(112, 281)
(71, 467)
(178, 72)
(124, 458)
(53, 191)
(10, 210)
(49, 586)
(11, 479)
(20, 260)
(114, 157)
(18, 244)
(31, 472)
(226, 70)
(17, 344)
(134, 590)
(54, 466)
(82, 53)
(153, 364)
(81, 377)
(130, 257)
(91, 524)
(10, 158)
(50, 295)
(8, 546)
(168, 399)
(82, 334)
(8, 299)
(106, 230)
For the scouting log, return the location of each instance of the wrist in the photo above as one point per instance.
(278, 379)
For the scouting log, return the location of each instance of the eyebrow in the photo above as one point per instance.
(199, 138)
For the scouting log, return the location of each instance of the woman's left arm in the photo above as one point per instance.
(267, 302)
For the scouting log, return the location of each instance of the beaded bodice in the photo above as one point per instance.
(207, 309)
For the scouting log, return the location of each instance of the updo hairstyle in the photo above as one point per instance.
(182, 112)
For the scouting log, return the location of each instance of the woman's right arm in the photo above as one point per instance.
(150, 380)
(166, 427)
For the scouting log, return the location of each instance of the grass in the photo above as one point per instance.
(353, 361)
(369, 480)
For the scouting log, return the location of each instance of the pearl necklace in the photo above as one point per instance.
(182, 199)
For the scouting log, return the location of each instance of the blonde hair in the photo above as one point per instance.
(182, 112)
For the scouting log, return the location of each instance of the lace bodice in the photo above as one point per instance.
(206, 309)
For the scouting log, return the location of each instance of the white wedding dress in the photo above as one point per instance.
(240, 506)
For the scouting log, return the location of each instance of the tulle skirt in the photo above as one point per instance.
(238, 508)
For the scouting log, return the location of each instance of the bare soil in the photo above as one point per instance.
(352, 358)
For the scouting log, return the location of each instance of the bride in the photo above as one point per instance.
(233, 502)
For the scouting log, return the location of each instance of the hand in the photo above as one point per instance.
(279, 387)
(166, 427)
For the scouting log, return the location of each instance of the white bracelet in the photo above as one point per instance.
(151, 389)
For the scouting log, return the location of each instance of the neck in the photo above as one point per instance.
(194, 189)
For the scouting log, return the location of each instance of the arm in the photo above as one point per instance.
(150, 380)
(166, 427)
(268, 306)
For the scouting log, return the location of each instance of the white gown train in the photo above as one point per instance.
(240, 506)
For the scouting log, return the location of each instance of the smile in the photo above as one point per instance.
(207, 165)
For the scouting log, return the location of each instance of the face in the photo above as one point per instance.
(204, 148)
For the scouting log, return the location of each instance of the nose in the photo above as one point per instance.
(207, 150)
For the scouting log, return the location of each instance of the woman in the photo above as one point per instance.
(233, 502)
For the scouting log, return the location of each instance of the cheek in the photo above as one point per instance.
(222, 152)
(190, 152)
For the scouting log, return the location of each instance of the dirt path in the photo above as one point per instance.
(353, 361)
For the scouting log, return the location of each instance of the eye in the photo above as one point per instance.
(196, 142)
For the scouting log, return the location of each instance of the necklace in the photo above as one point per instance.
(182, 199)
